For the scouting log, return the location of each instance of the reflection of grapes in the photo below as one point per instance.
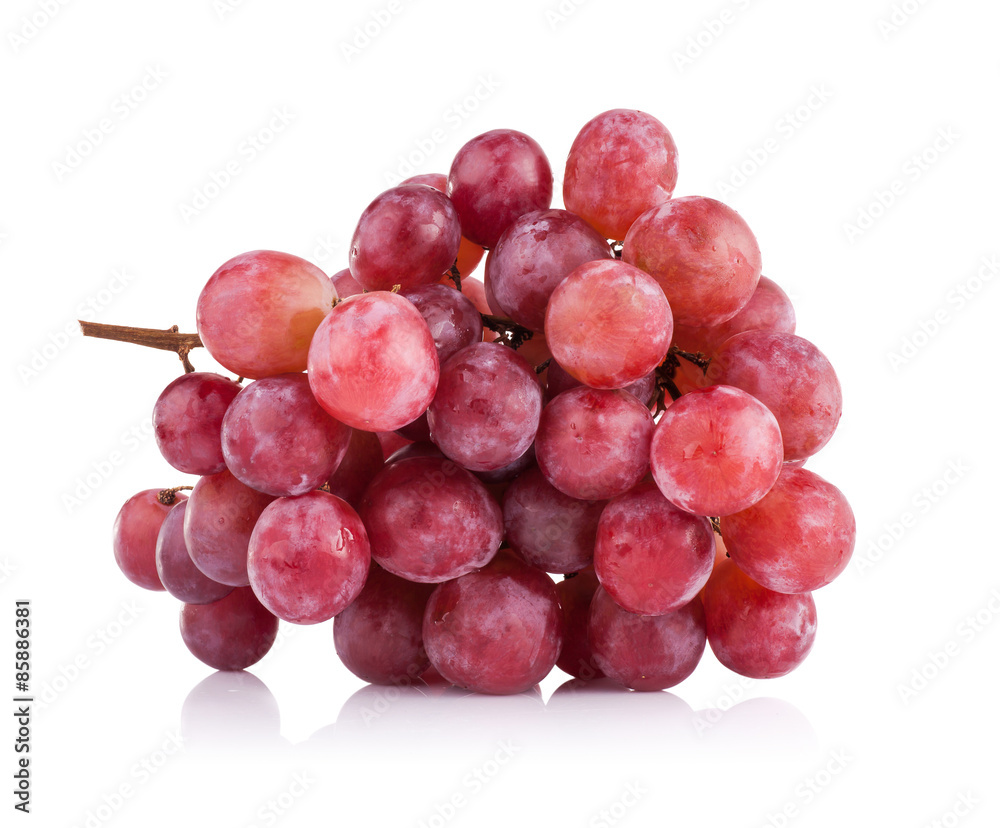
(420, 450)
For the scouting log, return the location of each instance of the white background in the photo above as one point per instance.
(835, 103)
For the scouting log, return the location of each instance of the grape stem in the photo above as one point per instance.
(168, 496)
(510, 332)
(168, 340)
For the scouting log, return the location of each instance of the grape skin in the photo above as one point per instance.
(408, 236)
(754, 631)
(486, 410)
(790, 376)
(645, 652)
(494, 179)
(187, 421)
(430, 520)
(372, 363)
(136, 528)
(622, 163)
(575, 594)
(469, 253)
(533, 256)
(497, 631)
(451, 317)
(549, 530)
(232, 633)
(362, 461)
(308, 557)
(379, 636)
(650, 556)
(716, 451)
(593, 444)
(258, 312)
(608, 324)
(177, 572)
(218, 523)
(703, 255)
(797, 538)
(558, 380)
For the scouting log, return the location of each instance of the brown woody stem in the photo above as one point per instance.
(168, 340)
(168, 496)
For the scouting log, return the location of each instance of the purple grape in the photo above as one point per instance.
(178, 574)
(453, 320)
(575, 595)
(231, 633)
(187, 421)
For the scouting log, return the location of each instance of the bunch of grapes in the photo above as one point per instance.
(621, 401)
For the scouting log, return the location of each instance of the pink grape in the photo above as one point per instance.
(703, 255)
(469, 253)
(391, 442)
(187, 421)
(558, 381)
(232, 633)
(498, 630)
(622, 163)
(790, 376)
(178, 574)
(134, 537)
(575, 593)
(797, 538)
(408, 236)
(451, 317)
(278, 440)
(308, 557)
(379, 636)
(259, 311)
(496, 178)
(592, 444)
(769, 309)
(549, 530)
(650, 556)
(217, 526)
(754, 631)
(485, 413)
(608, 324)
(646, 652)
(362, 461)
(507, 473)
(429, 520)
(716, 451)
(372, 364)
(533, 256)
(476, 291)
(345, 284)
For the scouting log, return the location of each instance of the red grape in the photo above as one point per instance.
(716, 451)
(429, 520)
(451, 317)
(621, 163)
(547, 528)
(231, 633)
(408, 236)
(575, 593)
(533, 256)
(259, 311)
(496, 178)
(278, 440)
(485, 413)
(703, 255)
(592, 444)
(361, 463)
(797, 538)
(498, 630)
(754, 631)
(178, 574)
(791, 377)
(134, 537)
(650, 556)
(218, 523)
(558, 381)
(769, 309)
(646, 652)
(345, 284)
(608, 324)
(379, 636)
(308, 557)
(187, 421)
(469, 253)
(372, 364)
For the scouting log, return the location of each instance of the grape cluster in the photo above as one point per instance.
(622, 401)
